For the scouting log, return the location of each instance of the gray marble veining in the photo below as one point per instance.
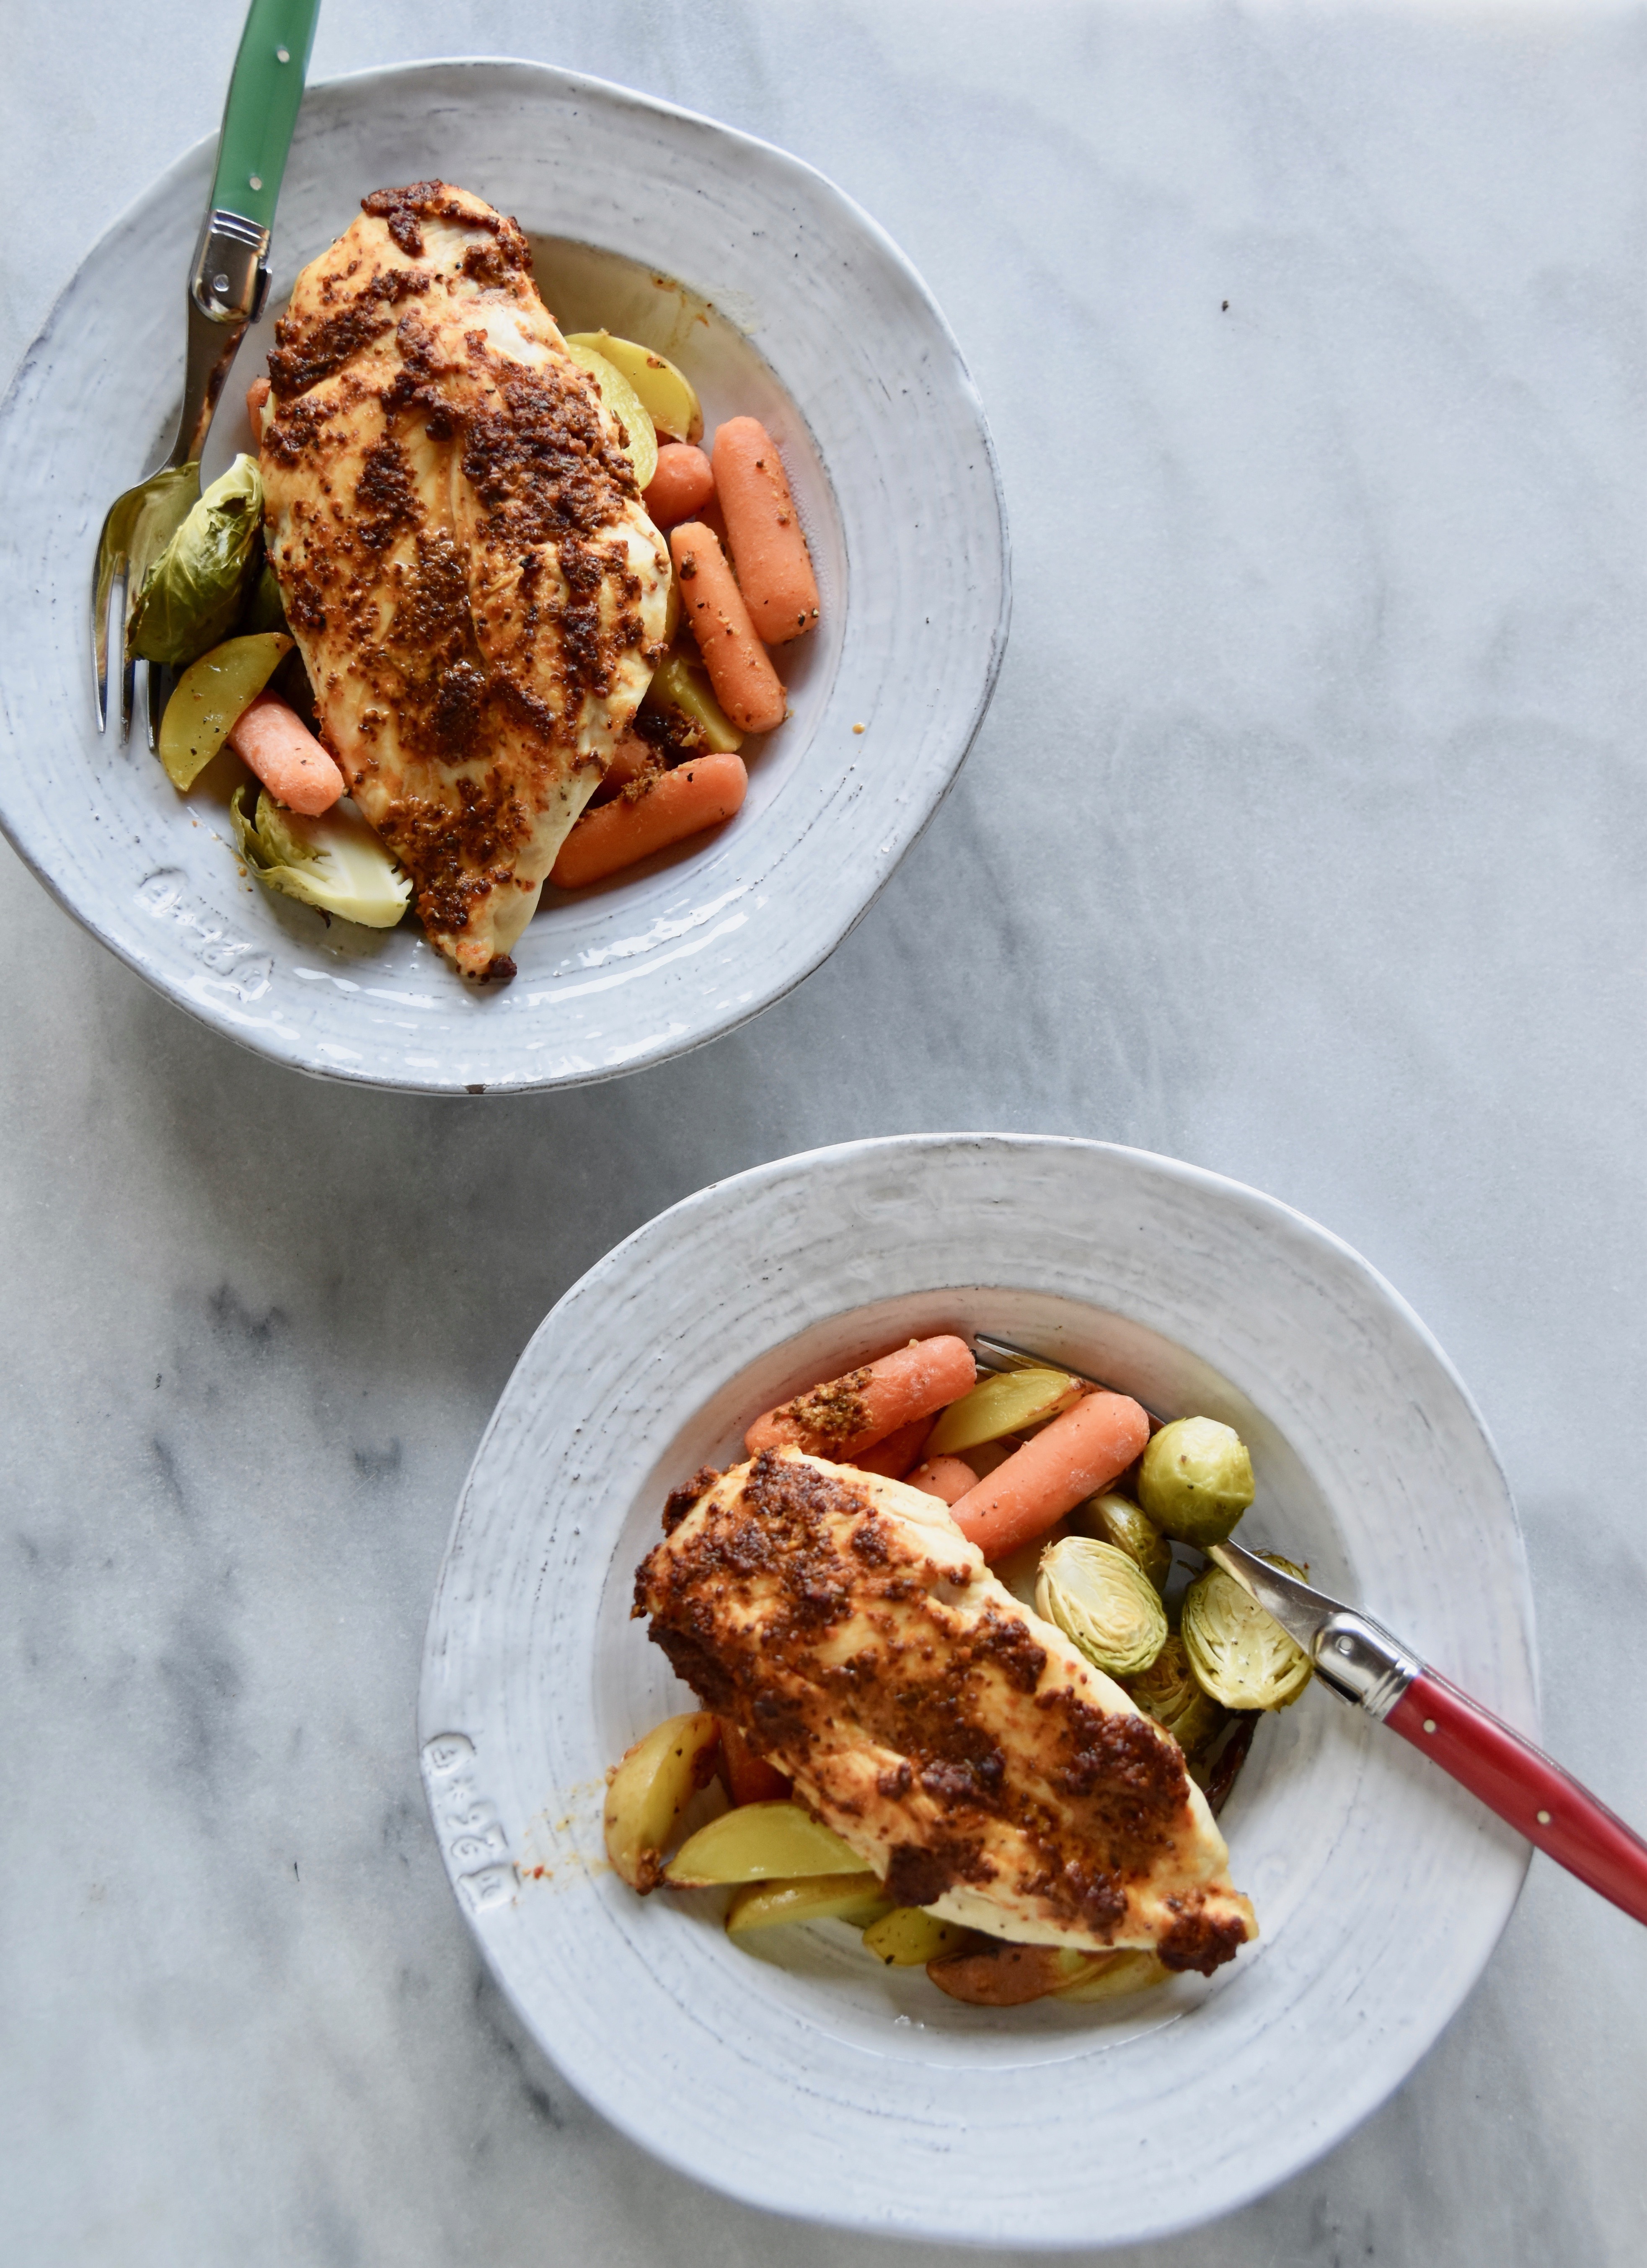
(1303, 841)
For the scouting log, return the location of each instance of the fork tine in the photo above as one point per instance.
(155, 703)
(109, 570)
(128, 672)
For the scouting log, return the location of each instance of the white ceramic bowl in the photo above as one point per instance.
(790, 303)
(805, 2077)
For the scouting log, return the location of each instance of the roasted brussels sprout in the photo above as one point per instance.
(1238, 1654)
(193, 594)
(1219, 1767)
(1167, 1692)
(265, 609)
(1117, 1519)
(1196, 1480)
(333, 863)
(1102, 1598)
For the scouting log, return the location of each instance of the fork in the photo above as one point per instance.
(1359, 1661)
(226, 290)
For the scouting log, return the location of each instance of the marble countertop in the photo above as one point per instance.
(1303, 840)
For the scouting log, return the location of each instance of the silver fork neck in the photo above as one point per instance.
(230, 279)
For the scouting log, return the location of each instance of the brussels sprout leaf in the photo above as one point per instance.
(193, 591)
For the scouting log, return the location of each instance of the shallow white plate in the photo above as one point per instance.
(781, 299)
(807, 2078)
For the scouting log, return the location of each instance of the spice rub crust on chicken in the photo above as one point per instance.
(962, 1746)
(465, 559)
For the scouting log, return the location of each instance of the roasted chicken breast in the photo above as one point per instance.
(974, 1758)
(464, 556)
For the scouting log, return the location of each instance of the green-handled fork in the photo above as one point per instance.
(226, 293)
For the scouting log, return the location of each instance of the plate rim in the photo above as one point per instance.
(295, 1058)
(1259, 1203)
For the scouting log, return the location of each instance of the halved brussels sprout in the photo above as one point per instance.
(194, 591)
(265, 609)
(909, 1937)
(626, 405)
(857, 1899)
(1118, 1973)
(666, 395)
(1218, 1767)
(209, 698)
(1103, 1600)
(1005, 1403)
(681, 685)
(1117, 1519)
(1167, 1692)
(651, 1788)
(1240, 1654)
(760, 1843)
(335, 862)
(1196, 1480)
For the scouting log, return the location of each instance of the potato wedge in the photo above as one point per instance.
(652, 1787)
(1005, 1403)
(909, 1937)
(667, 393)
(626, 405)
(855, 1898)
(210, 699)
(1117, 1973)
(760, 1843)
(1003, 1976)
(680, 684)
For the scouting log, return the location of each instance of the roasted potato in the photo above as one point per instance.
(908, 1937)
(668, 395)
(1005, 1403)
(651, 1788)
(1003, 1976)
(858, 1899)
(1115, 1973)
(760, 1843)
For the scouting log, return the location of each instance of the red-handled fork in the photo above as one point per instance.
(1358, 1659)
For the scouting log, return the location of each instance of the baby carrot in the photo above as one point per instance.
(949, 1478)
(748, 1779)
(291, 762)
(848, 1415)
(698, 793)
(630, 758)
(894, 1456)
(1068, 1461)
(768, 549)
(746, 684)
(682, 486)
